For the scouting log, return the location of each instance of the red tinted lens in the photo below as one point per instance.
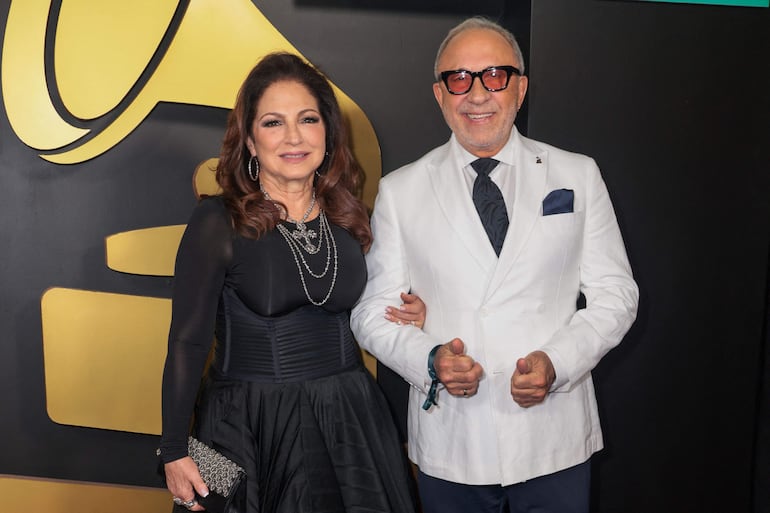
(495, 79)
(459, 82)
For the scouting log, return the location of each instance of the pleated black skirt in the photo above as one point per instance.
(325, 445)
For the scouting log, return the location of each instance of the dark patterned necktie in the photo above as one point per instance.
(490, 203)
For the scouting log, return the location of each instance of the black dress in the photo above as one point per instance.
(286, 395)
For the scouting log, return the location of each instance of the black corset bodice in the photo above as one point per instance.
(306, 343)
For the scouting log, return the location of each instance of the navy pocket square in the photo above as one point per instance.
(559, 201)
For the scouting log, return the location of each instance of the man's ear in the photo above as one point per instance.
(523, 84)
(438, 93)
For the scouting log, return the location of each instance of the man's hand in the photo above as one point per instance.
(532, 379)
(459, 373)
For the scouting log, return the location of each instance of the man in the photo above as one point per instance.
(514, 420)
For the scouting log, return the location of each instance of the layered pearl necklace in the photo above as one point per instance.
(302, 233)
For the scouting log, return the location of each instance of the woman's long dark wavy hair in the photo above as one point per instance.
(339, 179)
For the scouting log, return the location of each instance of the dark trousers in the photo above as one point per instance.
(566, 491)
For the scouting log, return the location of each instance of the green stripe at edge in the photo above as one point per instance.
(735, 3)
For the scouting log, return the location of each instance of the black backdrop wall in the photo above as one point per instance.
(671, 100)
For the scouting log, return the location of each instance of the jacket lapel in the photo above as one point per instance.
(455, 201)
(531, 168)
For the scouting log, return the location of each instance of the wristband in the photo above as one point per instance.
(431, 400)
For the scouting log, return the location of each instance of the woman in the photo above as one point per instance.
(272, 267)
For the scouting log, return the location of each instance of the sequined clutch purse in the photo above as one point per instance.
(221, 475)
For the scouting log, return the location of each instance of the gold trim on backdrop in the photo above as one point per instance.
(36, 495)
(103, 357)
(90, 79)
(205, 180)
(149, 251)
(370, 362)
(28, 105)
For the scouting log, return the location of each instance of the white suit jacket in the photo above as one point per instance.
(428, 239)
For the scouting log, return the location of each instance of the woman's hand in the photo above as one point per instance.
(412, 311)
(183, 480)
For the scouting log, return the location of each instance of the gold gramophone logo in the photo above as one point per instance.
(110, 63)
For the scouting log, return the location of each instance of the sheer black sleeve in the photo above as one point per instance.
(201, 264)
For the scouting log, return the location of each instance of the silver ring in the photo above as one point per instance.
(465, 393)
(189, 504)
(177, 501)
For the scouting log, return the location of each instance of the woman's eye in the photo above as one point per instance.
(311, 119)
(271, 122)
